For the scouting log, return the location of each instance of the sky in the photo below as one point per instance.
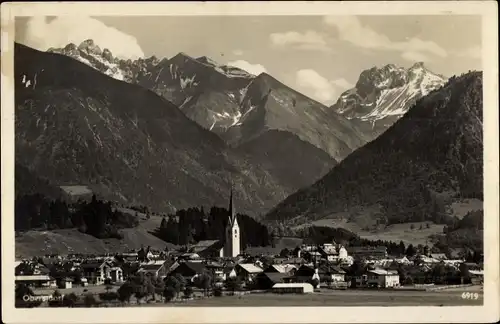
(320, 56)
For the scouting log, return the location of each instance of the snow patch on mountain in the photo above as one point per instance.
(185, 81)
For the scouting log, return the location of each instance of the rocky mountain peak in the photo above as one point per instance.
(418, 65)
(382, 95)
(90, 47)
(207, 60)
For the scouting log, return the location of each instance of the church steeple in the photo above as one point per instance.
(232, 242)
(232, 213)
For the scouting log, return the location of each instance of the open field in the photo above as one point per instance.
(64, 241)
(358, 297)
(461, 208)
(396, 232)
(344, 298)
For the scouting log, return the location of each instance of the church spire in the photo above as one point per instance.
(232, 214)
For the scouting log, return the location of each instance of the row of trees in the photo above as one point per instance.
(97, 217)
(192, 225)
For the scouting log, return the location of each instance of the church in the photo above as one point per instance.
(231, 247)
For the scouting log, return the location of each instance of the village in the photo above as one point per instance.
(217, 268)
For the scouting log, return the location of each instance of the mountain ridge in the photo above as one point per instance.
(218, 98)
(78, 126)
(434, 149)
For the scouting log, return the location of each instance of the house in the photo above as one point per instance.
(247, 271)
(438, 256)
(116, 274)
(96, 272)
(31, 268)
(229, 272)
(305, 273)
(207, 248)
(190, 270)
(281, 268)
(328, 252)
(378, 252)
(294, 288)
(296, 261)
(477, 277)
(36, 280)
(216, 268)
(312, 256)
(324, 273)
(382, 278)
(266, 280)
(333, 273)
(65, 283)
(190, 256)
(159, 269)
(404, 260)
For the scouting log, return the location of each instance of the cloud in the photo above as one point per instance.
(351, 30)
(237, 52)
(63, 30)
(415, 57)
(343, 83)
(254, 69)
(318, 87)
(471, 52)
(309, 40)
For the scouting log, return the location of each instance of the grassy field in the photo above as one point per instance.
(446, 297)
(64, 241)
(343, 299)
(396, 232)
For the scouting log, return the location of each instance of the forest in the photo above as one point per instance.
(188, 226)
(96, 217)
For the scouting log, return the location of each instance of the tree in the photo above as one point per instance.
(89, 300)
(139, 294)
(70, 300)
(22, 295)
(217, 291)
(315, 283)
(410, 251)
(150, 288)
(159, 286)
(464, 273)
(169, 293)
(176, 283)
(188, 291)
(402, 248)
(204, 281)
(233, 283)
(108, 296)
(56, 299)
(285, 253)
(125, 292)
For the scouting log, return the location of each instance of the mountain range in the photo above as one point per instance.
(383, 95)
(153, 131)
(228, 101)
(434, 150)
(78, 126)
